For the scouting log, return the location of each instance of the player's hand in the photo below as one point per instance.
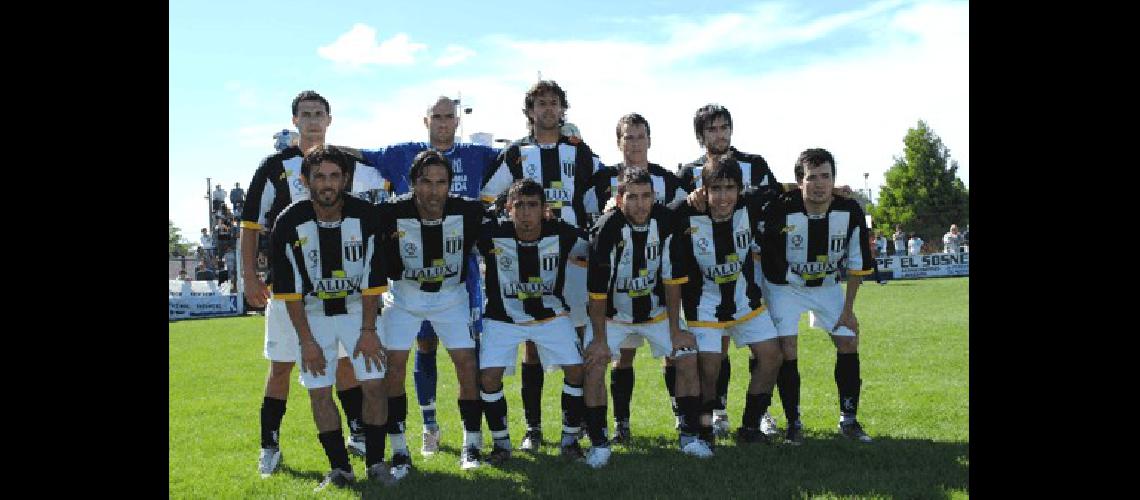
(256, 293)
(698, 199)
(547, 213)
(848, 319)
(597, 353)
(374, 353)
(683, 340)
(844, 191)
(312, 358)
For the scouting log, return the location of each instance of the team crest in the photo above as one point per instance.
(550, 262)
(531, 171)
(703, 245)
(742, 239)
(353, 250)
(314, 258)
(567, 169)
(838, 243)
(453, 245)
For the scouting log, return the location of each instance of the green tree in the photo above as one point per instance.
(176, 245)
(923, 192)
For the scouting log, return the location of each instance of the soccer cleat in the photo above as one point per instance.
(401, 465)
(598, 456)
(573, 451)
(499, 456)
(746, 435)
(269, 461)
(854, 431)
(355, 444)
(720, 426)
(706, 434)
(532, 440)
(698, 448)
(431, 443)
(380, 473)
(622, 433)
(470, 458)
(768, 425)
(338, 478)
(795, 435)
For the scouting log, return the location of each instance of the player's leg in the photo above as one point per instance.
(531, 392)
(397, 334)
(669, 372)
(763, 378)
(827, 305)
(621, 385)
(498, 348)
(281, 351)
(595, 389)
(453, 326)
(351, 401)
(720, 410)
(709, 359)
(425, 378)
(786, 304)
(325, 414)
(558, 345)
(374, 390)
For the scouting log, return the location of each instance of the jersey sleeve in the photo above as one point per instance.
(677, 253)
(259, 199)
(686, 178)
(498, 176)
(283, 261)
(601, 247)
(375, 279)
(859, 259)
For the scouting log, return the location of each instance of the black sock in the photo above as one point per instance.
(848, 382)
(754, 407)
(621, 386)
(752, 363)
(470, 412)
(707, 408)
(352, 401)
(596, 425)
(788, 382)
(722, 383)
(690, 414)
(573, 410)
(532, 378)
(374, 444)
(333, 443)
(671, 386)
(272, 411)
(495, 408)
(397, 417)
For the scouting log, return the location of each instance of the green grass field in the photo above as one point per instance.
(915, 403)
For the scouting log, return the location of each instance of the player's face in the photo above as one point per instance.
(717, 136)
(312, 120)
(547, 111)
(431, 189)
(817, 183)
(326, 184)
(723, 194)
(526, 212)
(636, 202)
(442, 122)
(634, 144)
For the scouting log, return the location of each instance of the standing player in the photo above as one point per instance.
(526, 257)
(330, 275)
(807, 235)
(721, 297)
(633, 140)
(276, 184)
(431, 235)
(562, 166)
(468, 163)
(630, 264)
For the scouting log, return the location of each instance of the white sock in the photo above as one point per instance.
(473, 440)
(399, 443)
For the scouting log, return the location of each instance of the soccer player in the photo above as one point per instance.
(630, 264)
(525, 258)
(468, 163)
(634, 141)
(431, 236)
(276, 184)
(807, 235)
(721, 297)
(330, 274)
(562, 165)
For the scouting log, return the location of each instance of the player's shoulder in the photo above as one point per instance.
(296, 213)
(610, 222)
(277, 159)
(752, 158)
(841, 203)
(457, 203)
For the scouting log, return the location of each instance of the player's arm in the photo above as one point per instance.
(373, 283)
(598, 279)
(287, 284)
(498, 176)
(676, 258)
(253, 217)
(859, 264)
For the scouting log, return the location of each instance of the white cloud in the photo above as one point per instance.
(454, 54)
(358, 48)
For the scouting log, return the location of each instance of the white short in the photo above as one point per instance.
(824, 305)
(280, 336)
(574, 291)
(755, 329)
(329, 332)
(556, 341)
(452, 324)
(619, 335)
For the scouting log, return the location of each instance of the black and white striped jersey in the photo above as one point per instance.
(524, 279)
(328, 265)
(563, 169)
(603, 186)
(277, 183)
(717, 258)
(806, 250)
(630, 263)
(427, 256)
(754, 167)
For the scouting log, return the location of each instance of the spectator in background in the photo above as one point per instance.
(966, 239)
(952, 241)
(182, 276)
(223, 273)
(207, 243)
(915, 244)
(219, 197)
(900, 240)
(880, 244)
(202, 273)
(231, 265)
(225, 236)
(237, 197)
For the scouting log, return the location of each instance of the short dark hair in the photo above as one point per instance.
(543, 87)
(633, 176)
(321, 153)
(525, 187)
(425, 159)
(440, 99)
(814, 157)
(722, 167)
(632, 119)
(310, 95)
(705, 115)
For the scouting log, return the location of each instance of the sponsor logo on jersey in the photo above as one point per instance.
(725, 273)
(556, 196)
(435, 274)
(703, 246)
(814, 270)
(336, 287)
(639, 286)
(410, 249)
(797, 241)
(534, 288)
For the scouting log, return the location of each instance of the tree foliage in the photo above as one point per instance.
(923, 192)
(176, 245)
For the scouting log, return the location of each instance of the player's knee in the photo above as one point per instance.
(573, 373)
(491, 381)
(374, 389)
(279, 372)
(625, 360)
(846, 345)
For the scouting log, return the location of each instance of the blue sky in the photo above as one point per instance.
(851, 77)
